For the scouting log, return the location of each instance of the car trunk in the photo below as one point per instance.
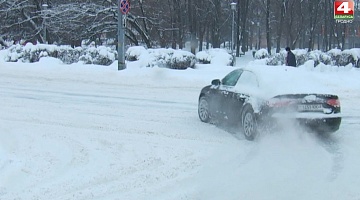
(304, 104)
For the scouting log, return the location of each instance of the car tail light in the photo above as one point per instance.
(333, 102)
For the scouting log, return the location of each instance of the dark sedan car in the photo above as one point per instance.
(260, 96)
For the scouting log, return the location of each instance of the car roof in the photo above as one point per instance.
(277, 80)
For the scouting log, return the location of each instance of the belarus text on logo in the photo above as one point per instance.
(344, 10)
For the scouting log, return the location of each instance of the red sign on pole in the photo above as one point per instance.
(124, 6)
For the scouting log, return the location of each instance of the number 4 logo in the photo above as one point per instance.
(343, 9)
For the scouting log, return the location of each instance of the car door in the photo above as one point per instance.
(225, 91)
(245, 88)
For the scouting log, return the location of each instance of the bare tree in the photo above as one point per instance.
(280, 25)
(244, 8)
(296, 23)
(313, 6)
(192, 24)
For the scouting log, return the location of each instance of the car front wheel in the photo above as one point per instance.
(204, 109)
(249, 124)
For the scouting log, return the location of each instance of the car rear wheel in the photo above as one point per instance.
(249, 124)
(204, 109)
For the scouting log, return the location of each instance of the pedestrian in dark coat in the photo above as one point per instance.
(290, 58)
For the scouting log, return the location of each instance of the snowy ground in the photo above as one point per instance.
(92, 132)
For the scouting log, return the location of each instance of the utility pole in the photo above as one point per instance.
(123, 9)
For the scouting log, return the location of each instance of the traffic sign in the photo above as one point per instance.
(124, 6)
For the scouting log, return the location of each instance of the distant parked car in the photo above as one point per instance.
(260, 96)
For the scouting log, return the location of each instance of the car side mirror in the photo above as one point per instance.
(215, 82)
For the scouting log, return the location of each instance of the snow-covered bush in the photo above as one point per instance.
(167, 58)
(15, 52)
(276, 59)
(5, 43)
(68, 55)
(349, 56)
(160, 57)
(280, 58)
(203, 57)
(28, 53)
(133, 53)
(301, 56)
(181, 60)
(106, 56)
(343, 58)
(173, 59)
(325, 58)
(98, 56)
(317, 56)
(261, 54)
(333, 57)
(86, 59)
(214, 56)
(33, 53)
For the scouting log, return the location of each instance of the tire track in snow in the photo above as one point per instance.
(332, 145)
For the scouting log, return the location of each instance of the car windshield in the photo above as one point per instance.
(231, 78)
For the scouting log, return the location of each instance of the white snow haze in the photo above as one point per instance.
(92, 132)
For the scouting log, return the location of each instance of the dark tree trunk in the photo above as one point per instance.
(343, 36)
(280, 27)
(207, 38)
(244, 33)
(216, 24)
(325, 29)
(237, 27)
(192, 25)
(268, 35)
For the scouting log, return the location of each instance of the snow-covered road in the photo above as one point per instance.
(102, 134)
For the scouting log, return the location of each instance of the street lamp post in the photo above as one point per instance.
(233, 8)
(44, 6)
(259, 36)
